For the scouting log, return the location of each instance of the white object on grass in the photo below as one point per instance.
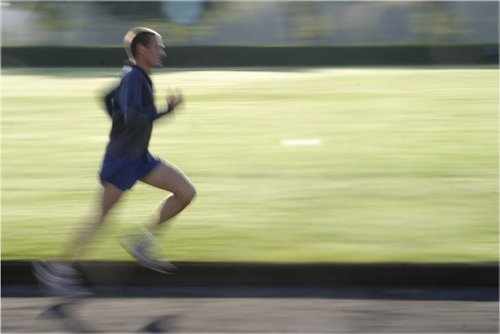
(302, 142)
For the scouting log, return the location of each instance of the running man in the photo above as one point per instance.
(127, 160)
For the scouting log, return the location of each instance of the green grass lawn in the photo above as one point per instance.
(407, 170)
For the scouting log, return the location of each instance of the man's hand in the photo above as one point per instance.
(174, 99)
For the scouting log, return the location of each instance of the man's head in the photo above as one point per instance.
(144, 46)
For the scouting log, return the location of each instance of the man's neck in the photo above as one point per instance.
(144, 67)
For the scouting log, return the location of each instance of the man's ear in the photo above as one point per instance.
(141, 49)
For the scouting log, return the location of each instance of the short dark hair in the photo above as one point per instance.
(143, 38)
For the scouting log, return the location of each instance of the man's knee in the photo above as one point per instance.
(187, 194)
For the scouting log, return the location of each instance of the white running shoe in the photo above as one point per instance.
(59, 279)
(142, 249)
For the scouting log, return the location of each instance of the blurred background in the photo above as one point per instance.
(252, 23)
(330, 132)
(314, 131)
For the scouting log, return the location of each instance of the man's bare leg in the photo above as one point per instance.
(108, 198)
(167, 177)
(60, 278)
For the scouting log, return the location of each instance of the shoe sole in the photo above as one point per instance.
(55, 289)
(143, 262)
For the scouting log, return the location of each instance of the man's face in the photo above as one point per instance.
(154, 53)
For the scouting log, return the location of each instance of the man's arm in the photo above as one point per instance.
(130, 101)
(108, 101)
(173, 101)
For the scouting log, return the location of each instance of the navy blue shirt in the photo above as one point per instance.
(132, 109)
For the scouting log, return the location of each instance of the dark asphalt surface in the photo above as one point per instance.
(128, 273)
(250, 309)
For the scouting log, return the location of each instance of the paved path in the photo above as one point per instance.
(254, 310)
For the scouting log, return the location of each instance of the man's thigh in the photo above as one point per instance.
(167, 177)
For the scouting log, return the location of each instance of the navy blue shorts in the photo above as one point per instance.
(123, 172)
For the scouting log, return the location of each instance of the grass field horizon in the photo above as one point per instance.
(404, 167)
